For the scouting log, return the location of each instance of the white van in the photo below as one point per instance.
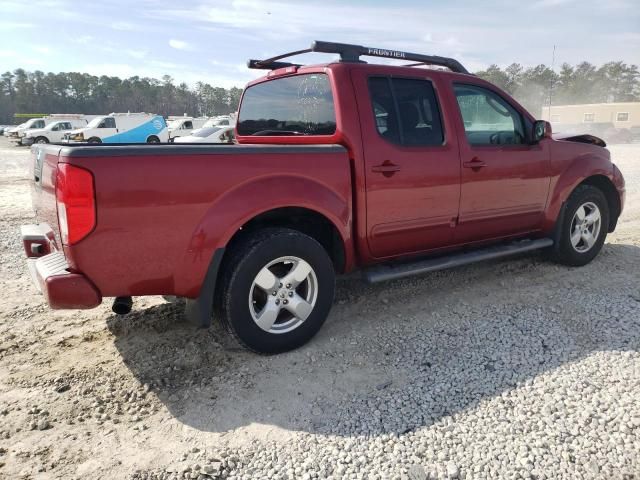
(181, 126)
(52, 133)
(31, 124)
(122, 128)
(13, 131)
(39, 123)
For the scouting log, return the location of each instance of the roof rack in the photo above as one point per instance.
(352, 53)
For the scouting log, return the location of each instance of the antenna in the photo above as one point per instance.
(553, 63)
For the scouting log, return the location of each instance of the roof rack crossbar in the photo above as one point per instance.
(271, 63)
(352, 53)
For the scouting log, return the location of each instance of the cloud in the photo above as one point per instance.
(125, 26)
(180, 44)
(136, 53)
(42, 49)
(82, 39)
(9, 25)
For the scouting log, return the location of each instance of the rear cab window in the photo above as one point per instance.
(296, 105)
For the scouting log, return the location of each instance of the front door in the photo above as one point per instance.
(412, 168)
(505, 179)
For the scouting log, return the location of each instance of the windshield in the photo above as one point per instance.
(299, 105)
(34, 123)
(95, 122)
(205, 132)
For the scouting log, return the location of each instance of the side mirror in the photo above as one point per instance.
(541, 129)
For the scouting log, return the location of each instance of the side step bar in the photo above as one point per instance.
(381, 273)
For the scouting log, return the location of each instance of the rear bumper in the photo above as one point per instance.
(50, 272)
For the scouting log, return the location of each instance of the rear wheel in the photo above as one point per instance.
(94, 140)
(153, 139)
(41, 140)
(278, 290)
(584, 227)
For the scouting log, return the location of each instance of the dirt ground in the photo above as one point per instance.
(87, 394)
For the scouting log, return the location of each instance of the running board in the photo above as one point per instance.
(381, 273)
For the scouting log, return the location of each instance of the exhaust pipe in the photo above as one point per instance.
(122, 305)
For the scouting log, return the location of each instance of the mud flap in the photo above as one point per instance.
(557, 229)
(198, 311)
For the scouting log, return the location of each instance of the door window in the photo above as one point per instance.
(108, 122)
(188, 125)
(488, 118)
(406, 111)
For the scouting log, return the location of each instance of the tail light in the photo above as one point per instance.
(75, 198)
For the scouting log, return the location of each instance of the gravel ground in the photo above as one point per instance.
(509, 369)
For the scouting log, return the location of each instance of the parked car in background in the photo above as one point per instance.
(607, 131)
(122, 128)
(52, 133)
(11, 131)
(220, 120)
(3, 128)
(390, 170)
(32, 123)
(40, 123)
(209, 135)
(181, 126)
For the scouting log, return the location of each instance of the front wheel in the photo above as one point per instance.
(277, 291)
(153, 139)
(94, 140)
(41, 140)
(584, 227)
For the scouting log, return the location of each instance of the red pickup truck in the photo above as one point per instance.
(391, 170)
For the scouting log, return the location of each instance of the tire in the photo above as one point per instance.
(265, 258)
(153, 139)
(41, 140)
(591, 202)
(94, 140)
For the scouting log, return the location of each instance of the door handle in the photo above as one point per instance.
(474, 164)
(387, 168)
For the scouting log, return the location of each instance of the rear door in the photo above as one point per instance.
(505, 179)
(411, 161)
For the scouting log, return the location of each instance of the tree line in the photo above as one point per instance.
(535, 87)
(71, 92)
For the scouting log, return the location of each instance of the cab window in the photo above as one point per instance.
(295, 105)
(406, 111)
(188, 125)
(488, 118)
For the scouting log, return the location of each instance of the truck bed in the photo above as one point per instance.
(163, 210)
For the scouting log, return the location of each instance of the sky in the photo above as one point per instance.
(211, 40)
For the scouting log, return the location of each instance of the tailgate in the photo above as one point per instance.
(44, 162)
